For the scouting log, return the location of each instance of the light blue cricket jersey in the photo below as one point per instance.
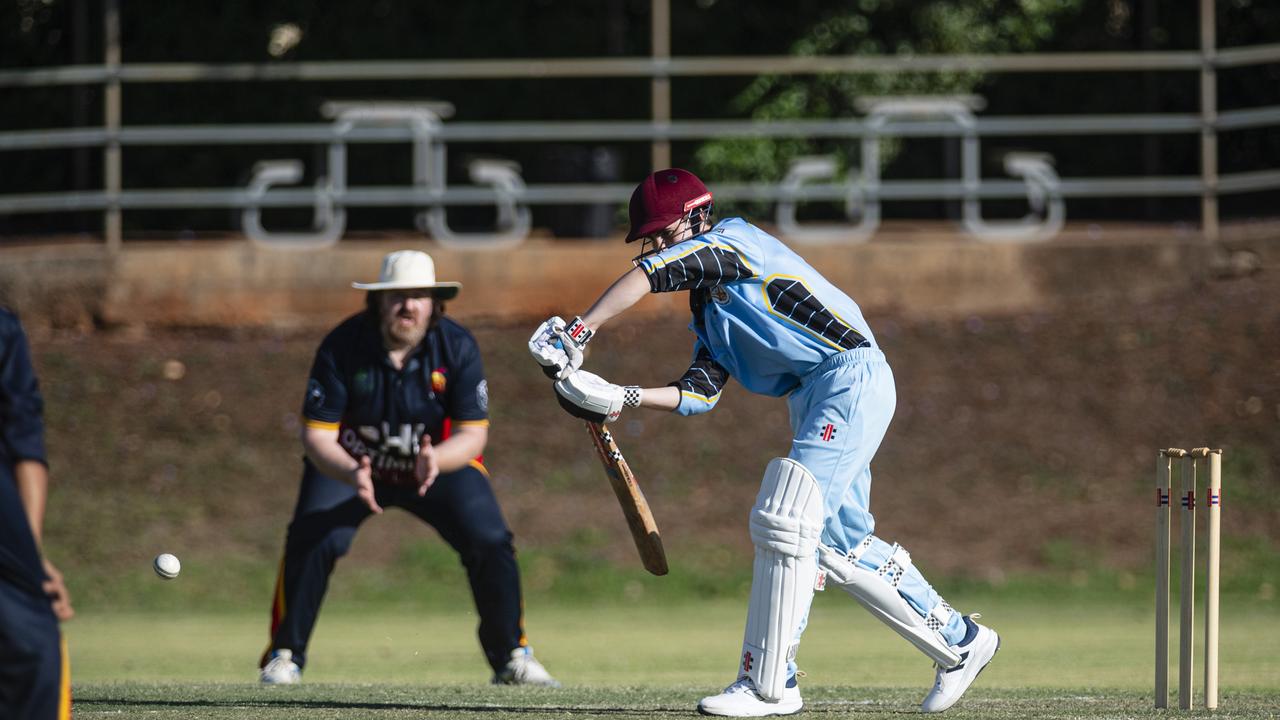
(760, 312)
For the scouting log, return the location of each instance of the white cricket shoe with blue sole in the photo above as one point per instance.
(524, 669)
(281, 669)
(979, 645)
(741, 700)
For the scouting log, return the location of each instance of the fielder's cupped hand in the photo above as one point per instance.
(362, 478)
(426, 469)
(590, 397)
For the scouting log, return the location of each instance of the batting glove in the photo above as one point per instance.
(547, 349)
(574, 339)
(590, 397)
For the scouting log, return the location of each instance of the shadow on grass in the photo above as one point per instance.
(302, 704)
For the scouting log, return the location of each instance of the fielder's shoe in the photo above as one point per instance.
(741, 700)
(281, 669)
(524, 669)
(979, 645)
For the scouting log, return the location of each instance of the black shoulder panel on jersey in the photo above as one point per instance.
(792, 300)
(707, 266)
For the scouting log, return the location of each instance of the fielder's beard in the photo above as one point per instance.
(399, 335)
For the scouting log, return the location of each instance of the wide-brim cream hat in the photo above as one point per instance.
(410, 270)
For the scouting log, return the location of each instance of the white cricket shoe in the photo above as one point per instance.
(979, 645)
(524, 669)
(281, 669)
(741, 700)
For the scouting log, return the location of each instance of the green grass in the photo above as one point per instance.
(324, 701)
(1069, 659)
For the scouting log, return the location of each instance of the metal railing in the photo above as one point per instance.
(811, 179)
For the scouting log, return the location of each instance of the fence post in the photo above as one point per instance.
(112, 229)
(660, 39)
(1208, 117)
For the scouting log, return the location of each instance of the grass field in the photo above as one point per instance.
(1058, 660)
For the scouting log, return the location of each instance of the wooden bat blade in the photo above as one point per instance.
(644, 530)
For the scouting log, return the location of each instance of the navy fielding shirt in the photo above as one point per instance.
(383, 412)
(21, 438)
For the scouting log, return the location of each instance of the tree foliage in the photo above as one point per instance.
(876, 27)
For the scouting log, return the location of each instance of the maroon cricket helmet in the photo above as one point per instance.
(663, 198)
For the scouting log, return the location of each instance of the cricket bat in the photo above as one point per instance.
(634, 507)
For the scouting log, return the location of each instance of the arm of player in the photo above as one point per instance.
(32, 478)
(465, 444)
(621, 295)
(320, 443)
(664, 398)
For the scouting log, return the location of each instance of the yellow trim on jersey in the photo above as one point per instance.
(695, 396)
(322, 425)
(479, 466)
(696, 248)
(478, 423)
(64, 683)
(764, 293)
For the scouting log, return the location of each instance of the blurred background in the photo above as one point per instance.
(1060, 217)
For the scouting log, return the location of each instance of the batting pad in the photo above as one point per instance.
(878, 593)
(785, 524)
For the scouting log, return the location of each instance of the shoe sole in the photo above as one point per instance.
(703, 711)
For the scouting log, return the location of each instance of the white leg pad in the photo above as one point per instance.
(878, 593)
(785, 525)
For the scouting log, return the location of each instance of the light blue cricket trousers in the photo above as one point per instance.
(839, 416)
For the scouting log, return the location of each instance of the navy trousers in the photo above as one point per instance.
(33, 682)
(460, 505)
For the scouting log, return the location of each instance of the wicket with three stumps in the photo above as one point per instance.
(1189, 463)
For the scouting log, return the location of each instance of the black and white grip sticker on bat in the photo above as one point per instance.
(590, 397)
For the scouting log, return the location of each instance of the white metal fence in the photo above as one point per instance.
(426, 128)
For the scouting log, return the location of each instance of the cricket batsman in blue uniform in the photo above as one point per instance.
(35, 681)
(761, 314)
(397, 414)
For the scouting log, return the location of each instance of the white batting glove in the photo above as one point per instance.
(547, 349)
(590, 397)
(573, 339)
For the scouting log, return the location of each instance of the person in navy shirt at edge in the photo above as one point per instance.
(35, 678)
(396, 414)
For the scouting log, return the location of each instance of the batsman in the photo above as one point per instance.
(763, 315)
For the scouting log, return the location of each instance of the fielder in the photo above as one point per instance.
(763, 315)
(397, 414)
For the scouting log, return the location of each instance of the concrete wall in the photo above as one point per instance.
(236, 283)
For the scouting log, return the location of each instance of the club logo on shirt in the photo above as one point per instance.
(315, 394)
(720, 295)
(482, 395)
(392, 451)
(828, 433)
(438, 380)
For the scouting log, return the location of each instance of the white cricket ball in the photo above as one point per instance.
(167, 566)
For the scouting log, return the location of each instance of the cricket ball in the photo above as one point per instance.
(166, 566)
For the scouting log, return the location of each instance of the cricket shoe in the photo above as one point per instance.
(524, 669)
(741, 700)
(979, 645)
(281, 669)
